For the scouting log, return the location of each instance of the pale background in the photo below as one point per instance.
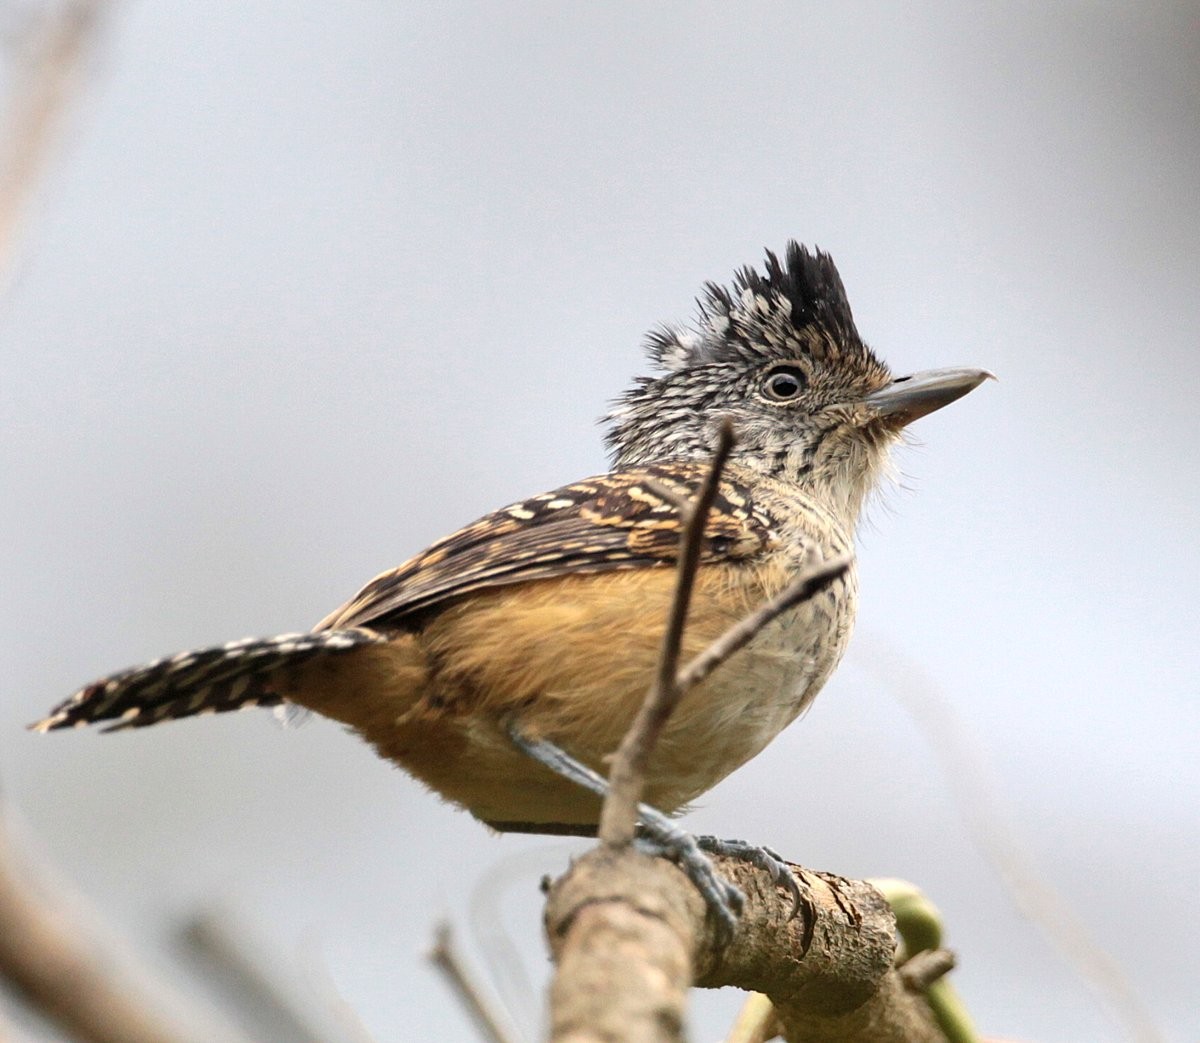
(310, 284)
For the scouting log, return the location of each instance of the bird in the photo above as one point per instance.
(502, 665)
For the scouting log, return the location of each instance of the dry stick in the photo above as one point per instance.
(53, 959)
(629, 941)
(252, 980)
(625, 977)
(444, 957)
(926, 967)
(626, 777)
(988, 822)
(619, 816)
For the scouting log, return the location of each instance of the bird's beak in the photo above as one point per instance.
(908, 398)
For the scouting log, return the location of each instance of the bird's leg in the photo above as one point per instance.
(657, 834)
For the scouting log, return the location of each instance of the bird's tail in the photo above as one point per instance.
(208, 680)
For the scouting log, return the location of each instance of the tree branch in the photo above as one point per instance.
(259, 987)
(61, 969)
(629, 932)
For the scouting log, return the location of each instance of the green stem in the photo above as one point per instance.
(920, 927)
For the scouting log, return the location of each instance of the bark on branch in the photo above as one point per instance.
(630, 935)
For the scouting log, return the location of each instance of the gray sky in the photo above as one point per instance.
(310, 285)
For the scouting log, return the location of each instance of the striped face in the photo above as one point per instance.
(779, 355)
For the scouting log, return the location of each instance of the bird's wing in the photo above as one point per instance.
(620, 520)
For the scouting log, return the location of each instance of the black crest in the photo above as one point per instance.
(798, 305)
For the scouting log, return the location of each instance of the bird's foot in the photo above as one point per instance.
(659, 836)
(761, 858)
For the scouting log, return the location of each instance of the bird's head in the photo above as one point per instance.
(779, 355)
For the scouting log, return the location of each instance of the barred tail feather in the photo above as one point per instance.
(225, 677)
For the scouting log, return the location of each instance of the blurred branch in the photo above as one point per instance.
(445, 958)
(54, 960)
(502, 959)
(756, 1022)
(46, 78)
(989, 825)
(255, 986)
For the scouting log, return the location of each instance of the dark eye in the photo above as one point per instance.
(783, 383)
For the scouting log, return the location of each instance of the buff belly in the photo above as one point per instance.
(570, 660)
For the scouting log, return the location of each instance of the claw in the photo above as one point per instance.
(761, 858)
(659, 836)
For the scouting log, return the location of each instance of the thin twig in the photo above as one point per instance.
(502, 961)
(989, 824)
(925, 968)
(485, 1018)
(810, 582)
(626, 777)
(253, 981)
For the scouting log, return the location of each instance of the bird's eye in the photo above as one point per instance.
(784, 383)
